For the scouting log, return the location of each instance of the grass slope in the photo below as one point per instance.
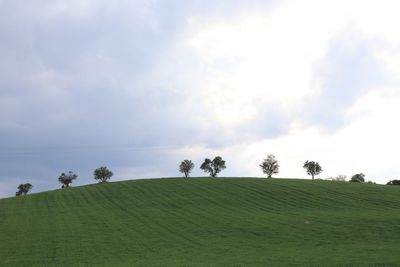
(197, 222)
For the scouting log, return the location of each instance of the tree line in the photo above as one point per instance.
(269, 166)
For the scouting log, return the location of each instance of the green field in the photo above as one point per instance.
(204, 222)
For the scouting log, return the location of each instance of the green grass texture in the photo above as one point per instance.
(204, 222)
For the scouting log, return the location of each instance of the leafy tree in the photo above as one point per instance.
(66, 179)
(213, 166)
(23, 189)
(103, 174)
(313, 168)
(270, 166)
(358, 178)
(394, 182)
(186, 167)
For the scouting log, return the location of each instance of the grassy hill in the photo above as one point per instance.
(203, 221)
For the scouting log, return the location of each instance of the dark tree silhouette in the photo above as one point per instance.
(102, 174)
(66, 179)
(270, 166)
(213, 166)
(313, 168)
(394, 182)
(23, 189)
(186, 167)
(358, 178)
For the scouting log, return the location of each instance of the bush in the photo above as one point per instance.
(394, 182)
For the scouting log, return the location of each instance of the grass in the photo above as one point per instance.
(204, 222)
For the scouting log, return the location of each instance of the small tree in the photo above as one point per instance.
(186, 167)
(270, 166)
(23, 189)
(66, 179)
(358, 178)
(103, 174)
(394, 182)
(213, 166)
(313, 168)
(339, 178)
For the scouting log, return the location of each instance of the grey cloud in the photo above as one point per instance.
(349, 70)
(80, 87)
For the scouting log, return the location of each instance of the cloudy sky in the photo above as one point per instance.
(140, 85)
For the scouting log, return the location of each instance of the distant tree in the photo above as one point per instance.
(394, 182)
(358, 178)
(313, 168)
(339, 178)
(270, 166)
(102, 174)
(213, 166)
(186, 167)
(66, 179)
(23, 189)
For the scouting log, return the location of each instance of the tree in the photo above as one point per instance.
(270, 166)
(103, 174)
(23, 189)
(339, 178)
(213, 166)
(66, 179)
(186, 167)
(358, 178)
(394, 182)
(313, 168)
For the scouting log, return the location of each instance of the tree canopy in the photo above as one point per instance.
(186, 167)
(213, 167)
(358, 178)
(23, 189)
(66, 179)
(394, 182)
(270, 166)
(313, 168)
(102, 174)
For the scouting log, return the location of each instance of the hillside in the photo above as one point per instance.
(204, 221)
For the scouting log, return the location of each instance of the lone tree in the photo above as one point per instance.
(186, 167)
(213, 166)
(313, 168)
(102, 174)
(66, 179)
(270, 166)
(23, 189)
(358, 178)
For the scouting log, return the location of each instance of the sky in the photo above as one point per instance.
(138, 86)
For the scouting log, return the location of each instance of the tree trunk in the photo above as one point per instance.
(312, 175)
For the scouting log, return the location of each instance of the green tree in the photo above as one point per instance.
(313, 168)
(213, 166)
(23, 189)
(186, 167)
(358, 178)
(102, 174)
(66, 179)
(270, 166)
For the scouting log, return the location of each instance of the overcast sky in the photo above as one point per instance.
(141, 85)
